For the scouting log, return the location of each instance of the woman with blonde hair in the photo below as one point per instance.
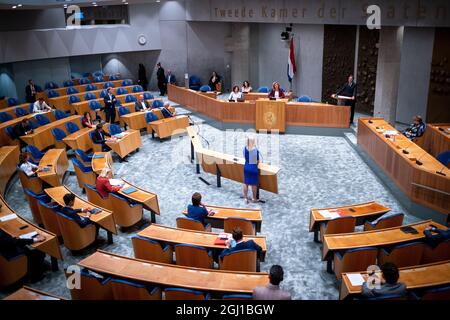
(103, 185)
(251, 174)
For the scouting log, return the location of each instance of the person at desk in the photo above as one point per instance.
(69, 211)
(251, 173)
(197, 210)
(246, 88)
(30, 92)
(434, 236)
(21, 129)
(110, 106)
(30, 169)
(214, 82)
(235, 95)
(165, 110)
(386, 286)
(101, 137)
(272, 291)
(276, 92)
(416, 129)
(348, 90)
(11, 247)
(41, 106)
(141, 104)
(237, 243)
(86, 121)
(171, 78)
(103, 185)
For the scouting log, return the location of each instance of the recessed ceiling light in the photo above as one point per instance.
(125, 2)
(19, 5)
(14, 7)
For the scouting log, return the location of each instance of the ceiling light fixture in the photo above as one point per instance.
(14, 7)
(19, 5)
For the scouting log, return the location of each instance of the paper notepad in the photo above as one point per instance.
(115, 182)
(356, 279)
(98, 156)
(329, 214)
(129, 190)
(8, 217)
(29, 235)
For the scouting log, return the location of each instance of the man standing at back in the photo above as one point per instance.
(161, 78)
(272, 291)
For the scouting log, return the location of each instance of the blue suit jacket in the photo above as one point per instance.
(250, 244)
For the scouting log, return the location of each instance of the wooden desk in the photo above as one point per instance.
(166, 275)
(421, 183)
(437, 138)
(9, 157)
(99, 163)
(271, 115)
(135, 120)
(56, 161)
(230, 167)
(80, 139)
(416, 277)
(12, 110)
(3, 103)
(168, 127)
(82, 87)
(27, 293)
(19, 226)
(222, 213)
(373, 238)
(314, 114)
(42, 137)
(149, 200)
(105, 218)
(196, 238)
(253, 96)
(127, 144)
(363, 212)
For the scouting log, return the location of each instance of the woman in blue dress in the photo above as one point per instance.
(251, 175)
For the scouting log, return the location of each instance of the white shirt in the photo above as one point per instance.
(277, 94)
(246, 89)
(235, 96)
(28, 167)
(37, 107)
(143, 105)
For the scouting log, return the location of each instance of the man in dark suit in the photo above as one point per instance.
(100, 137)
(386, 286)
(237, 243)
(161, 78)
(69, 211)
(110, 106)
(171, 78)
(21, 129)
(434, 236)
(30, 92)
(11, 247)
(141, 104)
(272, 291)
(348, 90)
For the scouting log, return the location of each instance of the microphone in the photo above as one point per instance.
(370, 121)
(418, 162)
(440, 129)
(440, 171)
(405, 151)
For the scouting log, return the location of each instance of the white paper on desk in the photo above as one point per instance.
(115, 182)
(29, 235)
(391, 132)
(8, 217)
(329, 214)
(356, 279)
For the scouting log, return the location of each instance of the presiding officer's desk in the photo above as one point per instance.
(9, 157)
(425, 181)
(416, 277)
(296, 113)
(222, 213)
(168, 275)
(27, 293)
(437, 138)
(18, 226)
(195, 238)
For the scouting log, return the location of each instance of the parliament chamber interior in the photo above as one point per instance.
(224, 150)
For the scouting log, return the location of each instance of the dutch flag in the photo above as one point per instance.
(291, 69)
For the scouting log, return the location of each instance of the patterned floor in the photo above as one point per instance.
(316, 171)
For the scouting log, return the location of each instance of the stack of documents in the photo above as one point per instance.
(8, 217)
(329, 214)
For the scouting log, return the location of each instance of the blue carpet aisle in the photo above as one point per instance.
(316, 171)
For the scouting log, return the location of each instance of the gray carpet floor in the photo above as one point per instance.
(316, 171)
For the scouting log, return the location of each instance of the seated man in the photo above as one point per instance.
(141, 104)
(101, 137)
(69, 211)
(388, 285)
(272, 291)
(237, 243)
(416, 129)
(166, 111)
(197, 210)
(41, 106)
(21, 129)
(434, 236)
(11, 247)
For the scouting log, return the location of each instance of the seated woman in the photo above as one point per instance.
(103, 185)
(197, 210)
(214, 82)
(26, 166)
(246, 88)
(276, 92)
(417, 128)
(235, 95)
(86, 121)
(166, 111)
